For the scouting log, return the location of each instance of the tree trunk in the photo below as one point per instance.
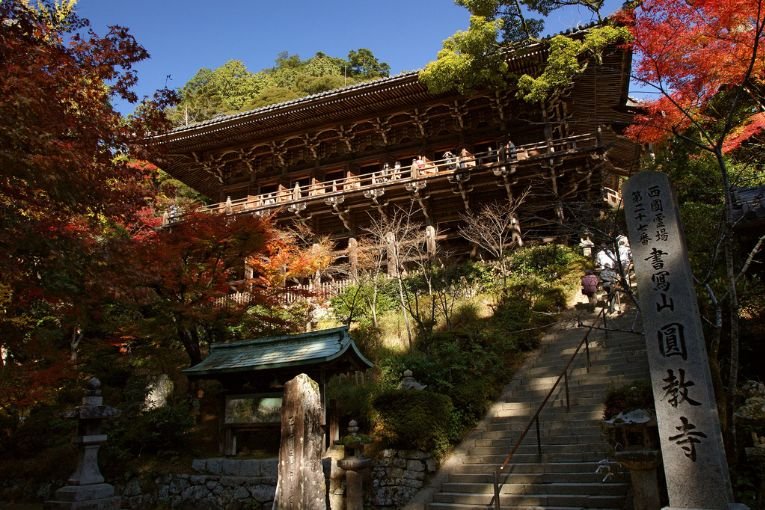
(404, 311)
(190, 341)
(733, 304)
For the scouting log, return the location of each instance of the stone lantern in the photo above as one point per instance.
(633, 433)
(353, 467)
(86, 488)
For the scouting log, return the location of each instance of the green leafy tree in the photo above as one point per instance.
(476, 57)
(364, 64)
(231, 88)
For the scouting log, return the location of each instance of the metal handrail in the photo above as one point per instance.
(535, 419)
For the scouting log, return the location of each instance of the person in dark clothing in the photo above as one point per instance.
(590, 287)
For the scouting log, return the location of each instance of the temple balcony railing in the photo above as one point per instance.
(421, 169)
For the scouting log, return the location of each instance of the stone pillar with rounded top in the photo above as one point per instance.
(86, 488)
(300, 483)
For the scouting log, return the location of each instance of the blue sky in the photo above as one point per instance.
(183, 36)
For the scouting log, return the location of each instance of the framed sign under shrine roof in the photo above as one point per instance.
(253, 372)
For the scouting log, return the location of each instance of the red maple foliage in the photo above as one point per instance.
(178, 277)
(752, 127)
(63, 186)
(690, 52)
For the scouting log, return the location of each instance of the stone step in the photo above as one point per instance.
(544, 500)
(548, 427)
(559, 413)
(550, 449)
(556, 488)
(526, 478)
(557, 401)
(553, 468)
(523, 397)
(597, 365)
(500, 439)
(526, 458)
(596, 376)
(455, 506)
(564, 475)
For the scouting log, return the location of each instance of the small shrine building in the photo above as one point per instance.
(252, 374)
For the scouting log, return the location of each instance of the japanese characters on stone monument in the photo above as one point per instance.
(689, 427)
(300, 484)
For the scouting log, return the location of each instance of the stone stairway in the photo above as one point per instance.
(564, 475)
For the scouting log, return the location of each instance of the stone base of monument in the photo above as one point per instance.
(98, 496)
(731, 506)
(645, 485)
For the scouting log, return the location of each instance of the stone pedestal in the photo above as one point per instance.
(86, 489)
(645, 484)
(756, 457)
(354, 490)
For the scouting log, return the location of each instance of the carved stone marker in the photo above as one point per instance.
(689, 427)
(300, 485)
(86, 489)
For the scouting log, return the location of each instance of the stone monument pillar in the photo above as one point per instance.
(86, 489)
(300, 484)
(689, 427)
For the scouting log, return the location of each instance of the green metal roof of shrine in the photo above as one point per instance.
(314, 348)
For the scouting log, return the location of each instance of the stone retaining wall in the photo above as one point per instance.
(222, 484)
(238, 484)
(397, 475)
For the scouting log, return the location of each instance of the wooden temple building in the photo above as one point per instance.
(332, 160)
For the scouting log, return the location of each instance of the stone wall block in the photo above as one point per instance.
(415, 465)
(414, 475)
(412, 483)
(213, 466)
(197, 479)
(263, 493)
(414, 454)
(241, 493)
(132, 488)
(249, 468)
(396, 472)
(399, 462)
(230, 467)
(269, 469)
(177, 486)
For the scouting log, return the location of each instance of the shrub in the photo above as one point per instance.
(411, 419)
(356, 300)
(354, 400)
(160, 431)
